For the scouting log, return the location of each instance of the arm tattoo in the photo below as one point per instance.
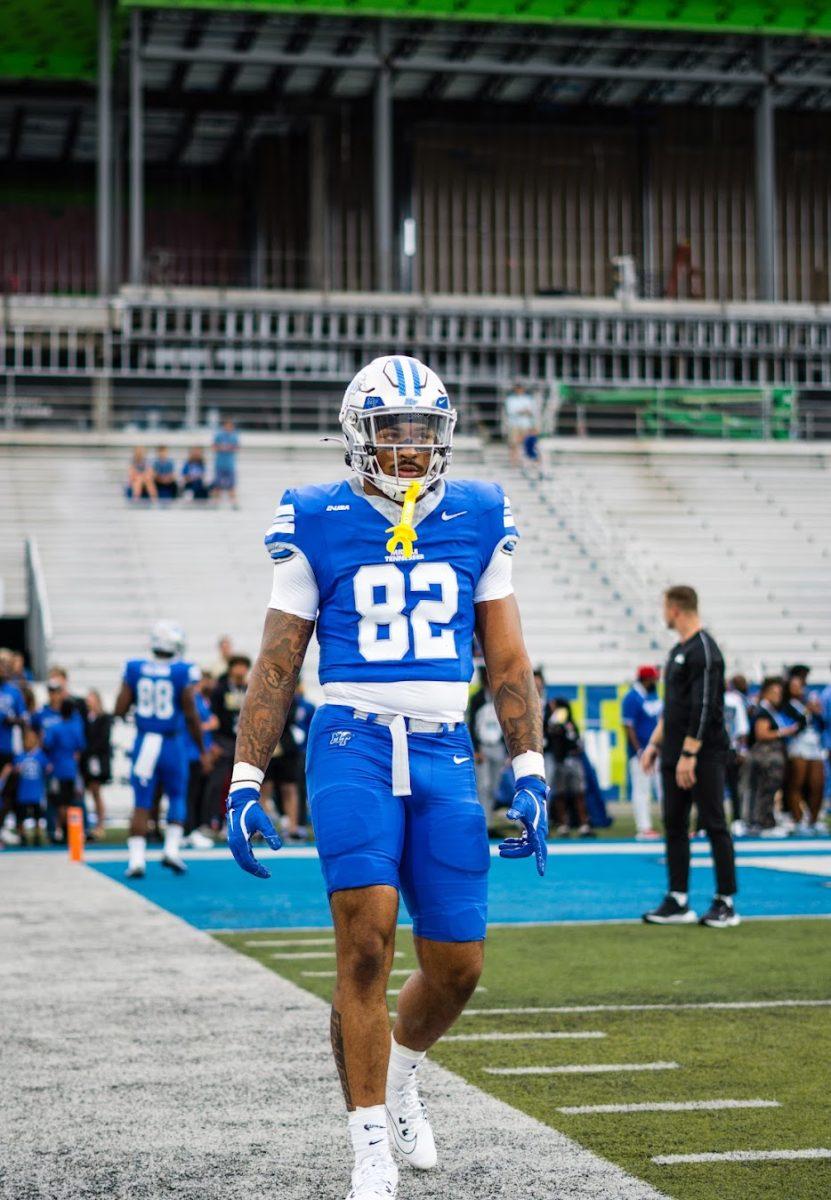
(336, 1034)
(519, 711)
(272, 686)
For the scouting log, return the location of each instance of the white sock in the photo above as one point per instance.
(172, 840)
(136, 847)
(402, 1064)
(679, 897)
(368, 1132)
(728, 900)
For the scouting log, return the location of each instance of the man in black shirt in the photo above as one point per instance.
(693, 744)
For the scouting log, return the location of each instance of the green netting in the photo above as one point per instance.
(48, 39)
(716, 16)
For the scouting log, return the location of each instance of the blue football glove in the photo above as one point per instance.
(530, 806)
(245, 818)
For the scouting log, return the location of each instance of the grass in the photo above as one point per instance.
(728, 1054)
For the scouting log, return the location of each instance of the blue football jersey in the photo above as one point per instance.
(157, 686)
(383, 617)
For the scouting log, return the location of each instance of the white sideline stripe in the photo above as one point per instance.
(524, 1037)
(580, 1110)
(584, 1068)
(729, 1005)
(297, 955)
(398, 991)
(671, 1160)
(321, 941)
(332, 974)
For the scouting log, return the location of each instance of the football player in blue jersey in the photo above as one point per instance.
(396, 567)
(161, 689)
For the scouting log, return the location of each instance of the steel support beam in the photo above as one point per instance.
(382, 164)
(765, 163)
(103, 194)
(643, 73)
(136, 271)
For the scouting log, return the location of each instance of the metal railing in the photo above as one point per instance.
(279, 360)
(38, 618)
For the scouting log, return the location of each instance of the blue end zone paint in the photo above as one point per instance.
(216, 894)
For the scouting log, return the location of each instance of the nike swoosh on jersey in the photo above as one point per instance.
(453, 516)
(458, 760)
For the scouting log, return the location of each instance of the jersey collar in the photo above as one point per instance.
(392, 511)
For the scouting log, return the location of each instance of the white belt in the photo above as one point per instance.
(398, 727)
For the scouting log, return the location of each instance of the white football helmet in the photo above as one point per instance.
(397, 402)
(167, 639)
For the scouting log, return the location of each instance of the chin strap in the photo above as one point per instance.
(403, 534)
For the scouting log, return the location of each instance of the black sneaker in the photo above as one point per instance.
(720, 915)
(175, 865)
(670, 912)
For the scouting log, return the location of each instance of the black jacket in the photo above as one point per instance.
(694, 699)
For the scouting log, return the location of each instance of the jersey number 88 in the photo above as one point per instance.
(387, 612)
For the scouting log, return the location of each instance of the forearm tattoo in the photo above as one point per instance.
(519, 710)
(272, 686)
(336, 1034)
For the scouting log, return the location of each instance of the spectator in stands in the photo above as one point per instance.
(226, 651)
(29, 769)
(20, 673)
(96, 760)
(195, 475)
(198, 824)
(226, 445)
(805, 776)
(519, 420)
(227, 699)
(164, 475)
(642, 708)
(489, 751)
(737, 724)
(768, 735)
(568, 784)
(141, 484)
(64, 742)
(12, 721)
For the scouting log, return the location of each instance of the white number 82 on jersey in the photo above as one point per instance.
(381, 599)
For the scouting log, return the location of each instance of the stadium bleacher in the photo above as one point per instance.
(602, 536)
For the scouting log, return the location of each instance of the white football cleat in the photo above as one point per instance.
(409, 1128)
(375, 1178)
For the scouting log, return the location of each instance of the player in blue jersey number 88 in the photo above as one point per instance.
(396, 567)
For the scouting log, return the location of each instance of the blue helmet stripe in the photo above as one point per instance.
(399, 376)
(414, 369)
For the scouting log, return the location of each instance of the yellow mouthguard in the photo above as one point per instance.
(403, 534)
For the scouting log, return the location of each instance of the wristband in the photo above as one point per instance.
(246, 775)
(529, 763)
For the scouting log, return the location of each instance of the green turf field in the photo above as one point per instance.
(780, 1054)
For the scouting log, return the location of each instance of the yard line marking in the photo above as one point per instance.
(584, 1068)
(671, 1160)
(297, 955)
(729, 1005)
(332, 974)
(522, 1037)
(398, 991)
(321, 941)
(580, 1110)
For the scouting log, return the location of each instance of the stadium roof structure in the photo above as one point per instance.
(56, 39)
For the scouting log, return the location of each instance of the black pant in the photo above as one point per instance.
(707, 793)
